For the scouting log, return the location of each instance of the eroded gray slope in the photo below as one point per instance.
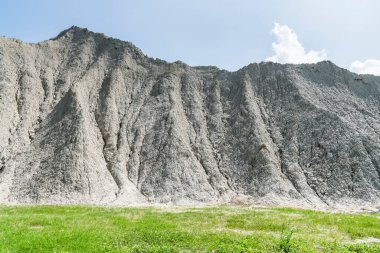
(89, 119)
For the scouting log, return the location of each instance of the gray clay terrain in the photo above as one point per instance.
(88, 119)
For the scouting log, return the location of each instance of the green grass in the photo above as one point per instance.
(217, 229)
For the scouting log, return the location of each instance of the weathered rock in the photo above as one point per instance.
(89, 119)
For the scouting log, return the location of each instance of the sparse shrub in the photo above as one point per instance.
(263, 146)
(285, 244)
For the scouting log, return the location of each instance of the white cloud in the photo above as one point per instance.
(289, 50)
(369, 66)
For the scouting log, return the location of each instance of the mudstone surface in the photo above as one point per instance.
(88, 119)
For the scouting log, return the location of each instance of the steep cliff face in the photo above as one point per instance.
(89, 119)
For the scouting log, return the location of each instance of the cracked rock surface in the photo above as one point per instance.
(88, 119)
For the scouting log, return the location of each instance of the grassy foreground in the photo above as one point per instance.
(217, 229)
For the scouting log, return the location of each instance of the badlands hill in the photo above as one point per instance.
(85, 118)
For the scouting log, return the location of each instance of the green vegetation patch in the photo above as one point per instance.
(216, 229)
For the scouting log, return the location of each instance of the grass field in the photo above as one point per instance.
(216, 229)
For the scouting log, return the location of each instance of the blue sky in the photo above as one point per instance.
(226, 33)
